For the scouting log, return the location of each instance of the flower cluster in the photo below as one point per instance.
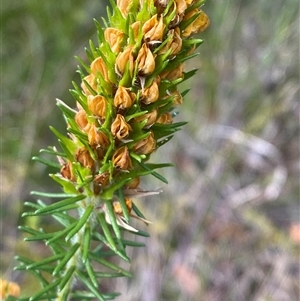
(127, 95)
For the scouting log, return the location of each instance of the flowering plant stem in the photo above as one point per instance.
(124, 112)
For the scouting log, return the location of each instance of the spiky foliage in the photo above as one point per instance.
(124, 112)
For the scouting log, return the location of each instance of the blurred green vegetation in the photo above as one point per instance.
(222, 227)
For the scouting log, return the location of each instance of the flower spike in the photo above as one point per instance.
(123, 112)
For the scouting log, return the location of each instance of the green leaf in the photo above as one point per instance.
(67, 185)
(91, 273)
(153, 173)
(107, 194)
(53, 195)
(60, 209)
(81, 222)
(142, 233)
(184, 24)
(66, 258)
(62, 203)
(137, 211)
(195, 5)
(70, 145)
(83, 64)
(45, 290)
(106, 232)
(90, 285)
(115, 226)
(61, 233)
(46, 162)
(132, 243)
(67, 277)
(52, 152)
(67, 111)
(79, 96)
(86, 243)
(45, 261)
(108, 275)
(108, 264)
(123, 205)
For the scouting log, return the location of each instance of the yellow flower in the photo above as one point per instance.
(8, 289)
(123, 58)
(121, 158)
(97, 105)
(175, 43)
(133, 184)
(177, 97)
(124, 99)
(98, 66)
(114, 37)
(150, 117)
(153, 29)
(173, 74)
(181, 6)
(136, 28)
(120, 128)
(81, 121)
(198, 25)
(83, 156)
(66, 171)
(97, 138)
(151, 94)
(165, 118)
(123, 6)
(91, 80)
(102, 179)
(145, 60)
(145, 146)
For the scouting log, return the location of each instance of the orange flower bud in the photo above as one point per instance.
(161, 5)
(199, 25)
(118, 208)
(173, 74)
(124, 99)
(91, 80)
(153, 29)
(97, 138)
(150, 117)
(97, 105)
(123, 6)
(84, 158)
(123, 58)
(121, 158)
(175, 43)
(98, 66)
(136, 28)
(9, 289)
(181, 6)
(102, 179)
(81, 121)
(120, 128)
(133, 184)
(66, 171)
(114, 37)
(145, 60)
(151, 94)
(177, 97)
(165, 118)
(145, 146)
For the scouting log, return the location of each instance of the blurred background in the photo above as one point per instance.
(227, 225)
